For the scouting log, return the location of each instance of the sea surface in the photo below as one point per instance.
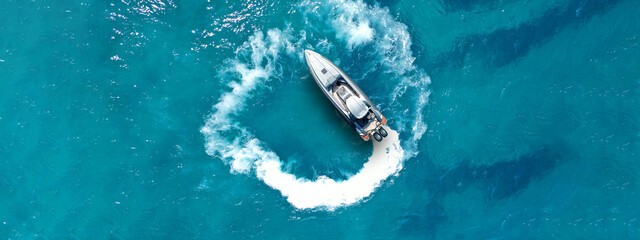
(161, 119)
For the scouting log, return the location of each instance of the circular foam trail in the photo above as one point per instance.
(257, 62)
(385, 161)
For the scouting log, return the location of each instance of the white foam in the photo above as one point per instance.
(256, 63)
(224, 138)
(358, 24)
(392, 42)
(245, 154)
(355, 32)
(385, 161)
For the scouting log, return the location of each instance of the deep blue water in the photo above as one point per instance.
(159, 119)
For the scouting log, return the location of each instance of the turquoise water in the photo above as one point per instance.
(198, 120)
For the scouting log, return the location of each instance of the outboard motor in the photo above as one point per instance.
(382, 132)
(377, 136)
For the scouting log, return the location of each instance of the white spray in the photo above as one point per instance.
(256, 63)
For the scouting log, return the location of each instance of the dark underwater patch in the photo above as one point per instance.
(504, 178)
(505, 46)
(498, 181)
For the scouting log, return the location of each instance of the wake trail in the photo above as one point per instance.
(385, 161)
(257, 63)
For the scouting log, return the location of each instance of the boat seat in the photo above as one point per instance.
(357, 107)
(343, 93)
